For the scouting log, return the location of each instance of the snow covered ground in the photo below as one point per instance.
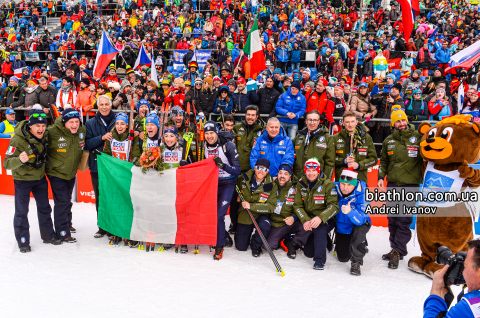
(93, 279)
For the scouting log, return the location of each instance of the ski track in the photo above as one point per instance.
(93, 279)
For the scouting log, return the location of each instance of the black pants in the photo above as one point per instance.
(277, 233)
(244, 232)
(399, 226)
(316, 245)
(378, 136)
(352, 246)
(62, 210)
(282, 66)
(234, 207)
(39, 189)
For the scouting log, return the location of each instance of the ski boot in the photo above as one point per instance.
(218, 253)
(183, 249)
(25, 249)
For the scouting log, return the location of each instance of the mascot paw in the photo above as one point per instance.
(465, 170)
(431, 268)
(417, 264)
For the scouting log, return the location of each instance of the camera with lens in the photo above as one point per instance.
(454, 274)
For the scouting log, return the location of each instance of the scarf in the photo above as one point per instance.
(30, 90)
(107, 119)
(66, 89)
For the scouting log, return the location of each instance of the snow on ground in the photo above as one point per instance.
(93, 279)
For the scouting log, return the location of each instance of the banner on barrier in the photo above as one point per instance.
(201, 56)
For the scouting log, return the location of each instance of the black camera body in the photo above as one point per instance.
(454, 274)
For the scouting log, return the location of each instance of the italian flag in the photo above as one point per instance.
(177, 207)
(253, 49)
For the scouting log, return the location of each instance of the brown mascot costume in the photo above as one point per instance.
(447, 148)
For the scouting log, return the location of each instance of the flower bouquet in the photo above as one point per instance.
(151, 159)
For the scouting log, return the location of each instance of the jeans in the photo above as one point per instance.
(295, 66)
(290, 129)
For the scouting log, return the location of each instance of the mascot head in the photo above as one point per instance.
(451, 140)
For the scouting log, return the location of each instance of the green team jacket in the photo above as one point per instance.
(401, 161)
(321, 200)
(108, 146)
(285, 199)
(245, 142)
(64, 150)
(365, 154)
(19, 143)
(262, 201)
(138, 123)
(320, 146)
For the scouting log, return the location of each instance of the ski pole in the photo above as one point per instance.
(265, 243)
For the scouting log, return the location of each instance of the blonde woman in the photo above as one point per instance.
(176, 94)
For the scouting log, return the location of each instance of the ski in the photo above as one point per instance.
(176, 248)
(161, 248)
(196, 250)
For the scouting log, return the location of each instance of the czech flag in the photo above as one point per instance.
(408, 15)
(142, 58)
(106, 53)
(465, 58)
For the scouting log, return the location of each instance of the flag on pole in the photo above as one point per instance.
(177, 207)
(416, 6)
(18, 72)
(153, 72)
(465, 58)
(106, 53)
(142, 58)
(253, 49)
(408, 17)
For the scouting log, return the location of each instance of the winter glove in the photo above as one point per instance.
(219, 162)
(435, 117)
(183, 163)
(412, 118)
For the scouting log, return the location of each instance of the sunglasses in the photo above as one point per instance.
(39, 115)
(312, 165)
(346, 178)
(73, 114)
(261, 168)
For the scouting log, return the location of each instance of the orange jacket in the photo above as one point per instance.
(85, 100)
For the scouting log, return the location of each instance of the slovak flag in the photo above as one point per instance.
(142, 58)
(106, 53)
(18, 72)
(465, 58)
(408, 15)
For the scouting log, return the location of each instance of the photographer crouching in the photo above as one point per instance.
(436, 305)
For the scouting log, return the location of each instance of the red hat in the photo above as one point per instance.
(312, 163)
(324, 82)
(340, 85)
(241, 80)
(476, 93)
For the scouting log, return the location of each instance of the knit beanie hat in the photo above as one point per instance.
(397, 114)
(152, 119)
(122, 117)
(172, 130)
(69, 113)
(349, 176)
(312, 163)
(37, 115)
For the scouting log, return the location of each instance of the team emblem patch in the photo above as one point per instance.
(281, 142)
(63, 233)
(322, 139)
(320, 188)
(10, 150)
(413, 139)
(23, 240)
(81, 135)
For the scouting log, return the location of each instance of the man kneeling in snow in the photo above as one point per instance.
(352, 222)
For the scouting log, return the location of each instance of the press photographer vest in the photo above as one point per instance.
(120, 149)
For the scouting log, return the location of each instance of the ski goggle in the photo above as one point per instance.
(177, 112)
(72, 114)
(36, 115)
(312, 165)
(261, 168)
(346, 178)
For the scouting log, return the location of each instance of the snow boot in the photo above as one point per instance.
(228, 241)
(291, 248)
(73, 230)
(134, 244)
(232, 229)
(355, 268)
(70, 240)
(218, 253)
(100, 233)
(25, 249)
(387, 256)
(167, 247)
(183, 249)
(394, 259)
(318, 266)
(53, 241)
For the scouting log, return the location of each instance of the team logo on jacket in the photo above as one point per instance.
(118, 146)
(23, 240)
(340, 140)
(413, 139)
(63, 233)
(281, 143)
(61, 139)
(319, 189)
(292, 191)
(81, 135)
(170, 157)
(322, 139)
